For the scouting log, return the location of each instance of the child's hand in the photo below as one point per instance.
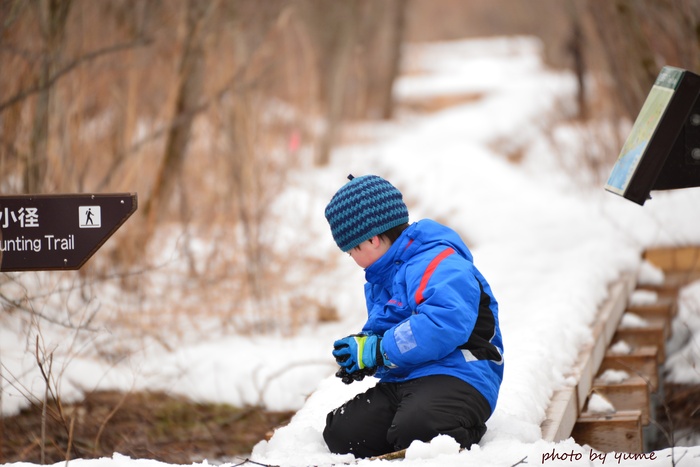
(357, 352)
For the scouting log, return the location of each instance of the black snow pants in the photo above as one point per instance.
(389, 416)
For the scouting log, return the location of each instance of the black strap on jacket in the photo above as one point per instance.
(479, 344)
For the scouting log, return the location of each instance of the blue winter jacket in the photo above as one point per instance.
(435, 311)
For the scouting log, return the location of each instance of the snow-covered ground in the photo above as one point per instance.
(548, 244)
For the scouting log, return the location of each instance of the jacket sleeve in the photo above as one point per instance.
(444, 295)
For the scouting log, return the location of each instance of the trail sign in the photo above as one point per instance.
(662, 151)
(47, 232)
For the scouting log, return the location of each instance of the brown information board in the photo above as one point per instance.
(47, 232)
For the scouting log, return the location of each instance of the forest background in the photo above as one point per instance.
(207, 108)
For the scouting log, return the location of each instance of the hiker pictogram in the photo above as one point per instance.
(89, 217)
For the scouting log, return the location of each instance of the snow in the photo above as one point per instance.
(548, 244)
(632, 320)
(683, 362)
(441, 445)
(598, 404)
(621, 348)
(649, 275)
(643, 297)
(614, 376)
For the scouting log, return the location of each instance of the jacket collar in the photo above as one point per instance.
(384, 268)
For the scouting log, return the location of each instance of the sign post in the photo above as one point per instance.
(54, 232)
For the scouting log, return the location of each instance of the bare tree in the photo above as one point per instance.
(382, 54)
(191, 74)
(576, 49)
(333, 28)
(639, 37)
(397, 23)
(105, 95)
(627, 50)
(52, 15)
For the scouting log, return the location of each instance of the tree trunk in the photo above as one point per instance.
(397, 26)
(640, 37)
(576, 48)
(190, 77)
(627, 50)
(333, 27)
(52, 16)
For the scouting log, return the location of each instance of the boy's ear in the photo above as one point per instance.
(375, 241)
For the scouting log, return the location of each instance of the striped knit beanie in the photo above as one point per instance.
(364, 207)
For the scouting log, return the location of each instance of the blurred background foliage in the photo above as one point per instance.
(204, 107)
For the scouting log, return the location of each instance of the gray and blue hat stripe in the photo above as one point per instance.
(364, 207)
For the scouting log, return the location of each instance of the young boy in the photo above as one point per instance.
(431, 337)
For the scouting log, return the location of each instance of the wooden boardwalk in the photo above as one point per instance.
(636, 350)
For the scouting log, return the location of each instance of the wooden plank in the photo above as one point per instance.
(567, 403)
(606, 322)
(663, 310)
(560, 416)
(630, 394)
(642, 361)
(619, 432)
(674, 258)
(664, 291)
(681, 278)
(653, 334)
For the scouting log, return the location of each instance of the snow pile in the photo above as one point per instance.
(683, 363)
(649, 274)
(598, 404)
(614, 376)
(441, 445)
(643, 297)
(620, 348)
(632, 320)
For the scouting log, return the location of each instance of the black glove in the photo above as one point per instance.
(358, 375)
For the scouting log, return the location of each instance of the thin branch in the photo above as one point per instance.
(70, 67)
(391, 455)
(18, 306)
(235, 84)
(249, 461)
(106, 420)
(70, 439)
(44, 404)
(46, 374)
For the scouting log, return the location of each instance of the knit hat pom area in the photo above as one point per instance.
(364, 207)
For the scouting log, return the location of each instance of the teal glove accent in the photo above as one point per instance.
(357, 352)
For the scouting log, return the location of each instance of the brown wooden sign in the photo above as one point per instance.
(48, 232)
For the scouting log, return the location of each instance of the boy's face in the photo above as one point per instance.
(369, 251)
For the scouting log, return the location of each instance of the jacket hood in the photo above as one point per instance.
(427, 234)
(420, 236)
